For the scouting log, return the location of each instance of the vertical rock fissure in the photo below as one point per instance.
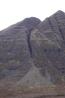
(28, 41)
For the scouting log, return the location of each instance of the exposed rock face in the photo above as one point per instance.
(48, 45)
(15, 58)
(33, 52)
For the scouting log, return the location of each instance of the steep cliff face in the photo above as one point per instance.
(48, 45)
(32, 53)
(15, 51)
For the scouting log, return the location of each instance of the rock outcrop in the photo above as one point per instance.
(32, 53)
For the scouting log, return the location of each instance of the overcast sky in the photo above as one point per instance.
(12, 11)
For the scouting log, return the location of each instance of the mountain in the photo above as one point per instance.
(48, 45)
(14, 48)
(32, 53)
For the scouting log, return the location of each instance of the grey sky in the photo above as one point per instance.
(12, 11)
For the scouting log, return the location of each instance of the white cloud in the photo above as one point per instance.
(12, 11)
